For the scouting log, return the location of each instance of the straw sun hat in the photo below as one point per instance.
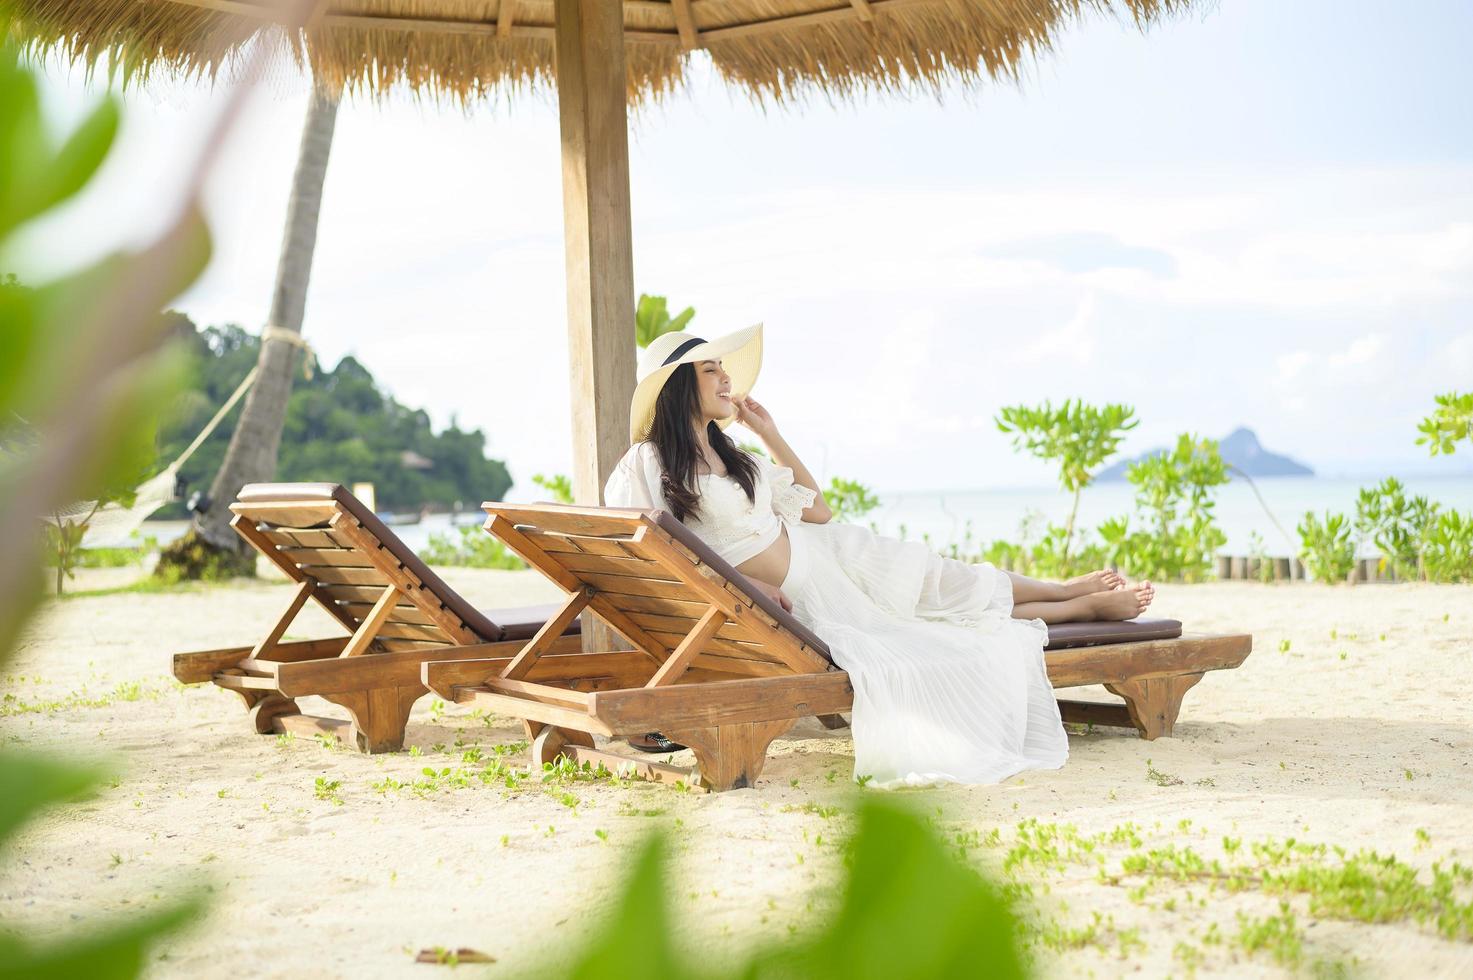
(740, 355)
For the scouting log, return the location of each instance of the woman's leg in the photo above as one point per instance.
(1027, 589)
(1115, 604)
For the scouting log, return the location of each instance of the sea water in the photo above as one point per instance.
(1000, 513)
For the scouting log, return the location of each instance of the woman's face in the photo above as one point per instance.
(714, 386)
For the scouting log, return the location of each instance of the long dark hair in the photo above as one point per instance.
(674, 438)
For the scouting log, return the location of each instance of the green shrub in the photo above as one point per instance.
(470, 547)
(1451, 423)
(1327, 549)
(849, 500)
(1448, 549)
(1177, 536)
(559, 485)
(1079, 438)
(652, 318)
(1397, 524)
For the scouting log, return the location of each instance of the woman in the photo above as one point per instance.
(946, 658)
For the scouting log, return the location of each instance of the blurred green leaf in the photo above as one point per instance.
(80, 374)
(907, 908)
(23, 141)
(635, 939)
(79, 157)
(29, 783)
(116, 952)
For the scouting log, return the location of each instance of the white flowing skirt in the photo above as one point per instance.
(948, 687)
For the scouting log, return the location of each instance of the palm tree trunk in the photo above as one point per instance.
(252, 453)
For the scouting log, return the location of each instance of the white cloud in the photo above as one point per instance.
(1073, 342)
(1292, 364)
(1312, 301)
(1362, 350)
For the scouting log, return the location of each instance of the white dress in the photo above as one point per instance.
(948, 687)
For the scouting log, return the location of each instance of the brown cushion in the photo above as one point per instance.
(1061, 636)
(260, 493)
(687, 537)
(523, 622)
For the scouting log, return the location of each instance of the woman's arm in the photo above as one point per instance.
(755, 417)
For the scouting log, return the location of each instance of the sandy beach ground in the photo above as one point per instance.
(1351, 725)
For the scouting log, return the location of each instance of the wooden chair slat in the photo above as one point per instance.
(401, 614)
(678, 608)
(351, 595)
(738, 665)
(683, 624)
(410, 631)
(581, 544)
(338, 557)
(592, 521)
(346, 576)
(395, 645)
(729, 648)
(622, 585)
(315, 538)
(635, 567)
(288, 516)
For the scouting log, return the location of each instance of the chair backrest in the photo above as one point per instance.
(321, 532)
(653, 580)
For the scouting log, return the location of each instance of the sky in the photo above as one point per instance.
(1258, 215)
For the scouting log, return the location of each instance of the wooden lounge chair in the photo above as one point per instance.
(397, 612)
(723, 669)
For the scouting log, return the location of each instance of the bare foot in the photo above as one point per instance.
(1126, 603)
(1104, 580)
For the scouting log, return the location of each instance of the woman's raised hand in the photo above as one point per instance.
(751, 414)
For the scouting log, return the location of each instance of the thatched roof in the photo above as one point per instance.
(465, 49)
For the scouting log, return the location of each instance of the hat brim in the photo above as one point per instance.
(740, 354)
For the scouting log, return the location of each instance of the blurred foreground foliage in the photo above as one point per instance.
(81, 375)
(907, 908)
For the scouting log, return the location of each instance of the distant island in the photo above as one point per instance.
(1240, 448)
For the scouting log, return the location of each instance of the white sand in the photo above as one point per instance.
(1302, 744)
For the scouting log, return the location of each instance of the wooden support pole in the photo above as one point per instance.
(547, 635)
(368, 629)
(598, 245)
(300, 595)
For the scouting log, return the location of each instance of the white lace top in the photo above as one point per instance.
(735, 528)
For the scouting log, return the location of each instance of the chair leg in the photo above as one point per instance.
(379, 715)
(270, 708)
(549, 741)
(1154, 702)
(730, 756)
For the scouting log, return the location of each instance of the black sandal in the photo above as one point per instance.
(653, 742)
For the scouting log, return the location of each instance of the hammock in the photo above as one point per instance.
(112, 525)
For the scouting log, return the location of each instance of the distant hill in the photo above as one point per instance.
(1240, 448)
